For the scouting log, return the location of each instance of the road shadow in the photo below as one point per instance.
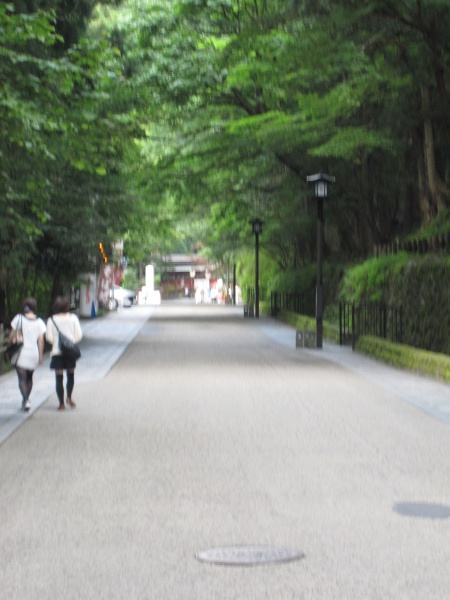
(422, 510)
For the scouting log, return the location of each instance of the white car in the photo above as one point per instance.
(120, 296)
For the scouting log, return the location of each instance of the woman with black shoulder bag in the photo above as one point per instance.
(66, 323)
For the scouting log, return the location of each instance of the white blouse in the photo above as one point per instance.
(68, 324)
(32, 329)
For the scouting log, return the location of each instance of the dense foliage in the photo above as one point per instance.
(61, 151)
(419, 284)
(244, 99)
(172, 123)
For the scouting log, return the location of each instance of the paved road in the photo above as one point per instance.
(104, 341)
(213, 430)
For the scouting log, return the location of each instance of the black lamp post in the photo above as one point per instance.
(321, 182)
(257, 229)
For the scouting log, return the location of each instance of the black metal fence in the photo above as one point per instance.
(294, 301)
(250, 295)
(439, 243)
(369, 318)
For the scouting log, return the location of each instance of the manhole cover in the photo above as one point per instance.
(248, 555)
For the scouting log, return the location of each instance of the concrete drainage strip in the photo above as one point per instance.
(247, 556)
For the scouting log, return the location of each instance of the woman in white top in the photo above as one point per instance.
(69, 326)
(32, 352)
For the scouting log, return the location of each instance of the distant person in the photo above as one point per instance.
(69, 326)
(31, 354)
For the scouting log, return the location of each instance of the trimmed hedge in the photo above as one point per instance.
(420, 284)
(330, 332)
(400, 355)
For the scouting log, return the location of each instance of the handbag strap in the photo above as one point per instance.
(57, 328)
(19, 328)
(19, 325)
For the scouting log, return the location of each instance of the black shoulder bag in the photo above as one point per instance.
(67, 347)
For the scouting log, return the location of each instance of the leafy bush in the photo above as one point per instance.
(439, 225)
(420, 284)
(130, 279)
(295, 280)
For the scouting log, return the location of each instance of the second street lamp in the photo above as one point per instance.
(321, 182)
(257, 229)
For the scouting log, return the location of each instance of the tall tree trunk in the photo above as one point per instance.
(366, 220)
(426, 212)
(435, 185)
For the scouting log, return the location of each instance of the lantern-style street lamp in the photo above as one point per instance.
(257, 229)
(321, 182)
